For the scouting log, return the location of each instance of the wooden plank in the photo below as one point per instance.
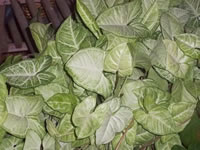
(51, 14)
(60, 17)
(13, 49)
(3, 37)
(64, 8)
(15, 34)
(23, 23)
(8, 2)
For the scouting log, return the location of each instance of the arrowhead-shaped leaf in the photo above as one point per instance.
(115, 121)
(119, 59)
(29, 73)
(72, 37)
(86, 69)
(87, 121)
(158, 120)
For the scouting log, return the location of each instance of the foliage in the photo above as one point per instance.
(122, 75)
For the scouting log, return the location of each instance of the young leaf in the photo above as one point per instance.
(48, 143)
(115, 121)
(119, 59)
(62, 102)
(87, 121)
(86, 69)
(29, 73)
(72, 37)
(87, 18)
(158, 120)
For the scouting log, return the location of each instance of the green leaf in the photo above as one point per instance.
(48, 143)
(115, 121)
(175, 140)
(129, 98)
(114, 40)
(169, 57)
(131, 134)
(151, 15)
(189, 44)
(87, 18)
(20, 111)
(158, 120)
(72, 37)
(112, 3)
(95, 6)
(12, 143)
(51, 50)
(163, 84)
(29, 73)
(17, 91)
(113, 20)
(170, 26)
(2, 134)
(66, 129)
(86, 69)
(119, 60)
(32, 141)
(3, 96)
(62, 102)
(87, 121)
(49, 90)
(39, 34)
(143, 136)
(151, 97)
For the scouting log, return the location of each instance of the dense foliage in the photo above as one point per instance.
(119, 75)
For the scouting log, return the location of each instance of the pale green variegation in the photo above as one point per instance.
(62, 102)
(39, 33)
(12, 143)
(113, 20)
(72, 37)
(95, 6)
(167, 145)
(129, 98)
(170, 26)
(21, 110)
(150, 15)
(88, 18)
(116, 75)
(87, 121)
(189, 44)
(29, 73)
(86, 69)
(33, 141)
(172, 59)
(143, 136)
(112, 3)
(158, 120)
(115, 121)
(119, 59)
(3, 96)
(48, 143)
(114, 40)
(51, 50)
(66, 130)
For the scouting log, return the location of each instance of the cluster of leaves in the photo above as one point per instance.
(122, 75)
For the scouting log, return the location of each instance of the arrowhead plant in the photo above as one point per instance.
(121, 75)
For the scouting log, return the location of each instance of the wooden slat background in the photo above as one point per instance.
(15, 18)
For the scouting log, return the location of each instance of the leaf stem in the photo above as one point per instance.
(124, 134)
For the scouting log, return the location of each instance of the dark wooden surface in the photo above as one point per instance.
(15, 36)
